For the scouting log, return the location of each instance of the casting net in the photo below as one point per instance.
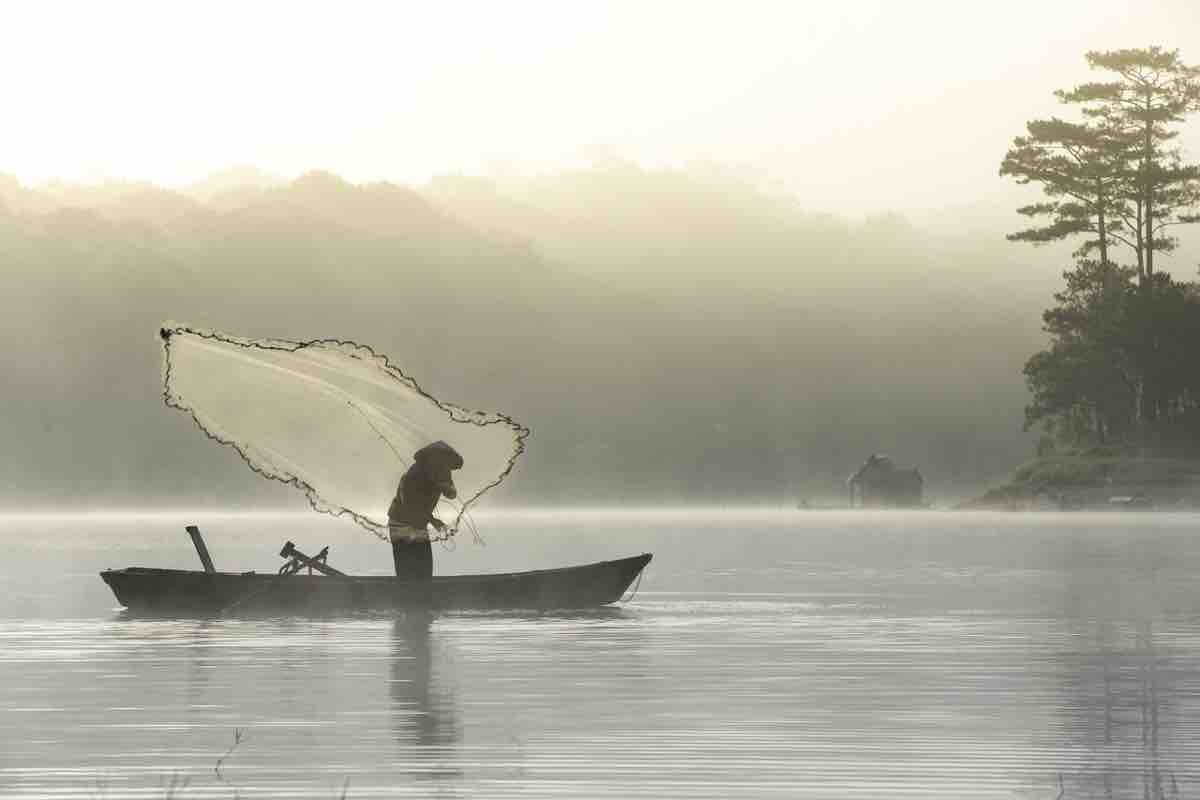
(332, 418)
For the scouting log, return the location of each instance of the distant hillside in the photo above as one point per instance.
(667, 335)
(232, 188)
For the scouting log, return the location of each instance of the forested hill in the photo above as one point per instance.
(669, 336)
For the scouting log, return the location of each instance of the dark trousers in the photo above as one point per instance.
(414, 560)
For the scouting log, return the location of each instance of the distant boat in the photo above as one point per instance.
(208, 592)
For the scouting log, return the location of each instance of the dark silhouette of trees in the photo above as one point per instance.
(1118, 365)
(1085, 385)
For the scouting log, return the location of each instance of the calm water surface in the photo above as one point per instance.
(767, 654)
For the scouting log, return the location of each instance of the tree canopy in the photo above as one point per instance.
(1119, 364)
(1115, 174)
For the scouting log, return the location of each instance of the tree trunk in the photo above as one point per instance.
(1150, 382)
(1140, 244)
(1148, 186)
(1100, 201)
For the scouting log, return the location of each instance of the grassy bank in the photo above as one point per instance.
(1092, 479)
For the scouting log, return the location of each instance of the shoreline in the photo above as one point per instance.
(1096, 482)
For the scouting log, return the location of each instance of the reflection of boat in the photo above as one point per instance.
(174, 590)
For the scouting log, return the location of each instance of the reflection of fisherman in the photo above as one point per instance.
(411, 510)
(423, 713)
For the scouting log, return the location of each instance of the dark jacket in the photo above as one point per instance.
(423, 484)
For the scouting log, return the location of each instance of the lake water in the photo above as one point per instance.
(767, 654)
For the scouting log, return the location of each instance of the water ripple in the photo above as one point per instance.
(939, 660)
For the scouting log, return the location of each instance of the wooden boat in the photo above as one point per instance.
(173, 591)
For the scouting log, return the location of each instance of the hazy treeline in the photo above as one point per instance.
(669, 335)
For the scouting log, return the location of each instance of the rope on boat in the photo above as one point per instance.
(637, 585)
(277, 580)
(450, 544)
(280, 579)
(270, 587)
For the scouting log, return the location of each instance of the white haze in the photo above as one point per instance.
(855, 106)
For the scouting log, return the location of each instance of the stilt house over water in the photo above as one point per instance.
(879, 483)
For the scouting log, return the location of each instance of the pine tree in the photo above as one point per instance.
(1122, 339)
(1080, 166)
(1153, 90)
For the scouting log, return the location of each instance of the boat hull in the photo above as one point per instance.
(173, 591)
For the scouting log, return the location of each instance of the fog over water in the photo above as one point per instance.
(737, 349)
(762, 353)
(700, 271)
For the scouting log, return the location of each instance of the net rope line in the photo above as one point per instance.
(464, 517)
(357, 351)
(325, 388)
(380, 372)
(636, 586)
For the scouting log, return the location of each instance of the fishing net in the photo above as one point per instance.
(332, 418)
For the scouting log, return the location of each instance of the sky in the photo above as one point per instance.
(856, 106)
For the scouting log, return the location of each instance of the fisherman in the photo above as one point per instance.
(411, 511)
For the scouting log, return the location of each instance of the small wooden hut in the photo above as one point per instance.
(879, 483)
